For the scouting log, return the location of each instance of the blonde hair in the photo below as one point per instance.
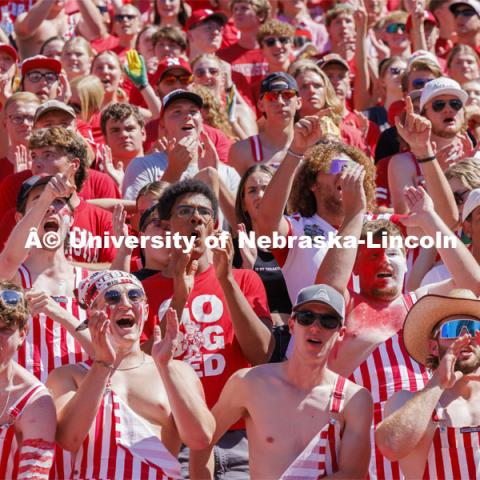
(213, 112)
(300, 67)
(81, 42)
(317, 160)
(262, 7)
(462, 49)
(467, 171)
(91, 93)
(17, 97)
(274, 27)
(14, 316)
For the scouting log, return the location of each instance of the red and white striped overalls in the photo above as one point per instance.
(9, 448)
(48, 344)
(256, 148)
(121, 445)
(455, 452)
(320, 457)
(388, 369)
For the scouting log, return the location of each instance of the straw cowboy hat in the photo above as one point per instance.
(428, 312)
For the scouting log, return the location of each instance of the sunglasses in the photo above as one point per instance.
(439, 105)
(395, 70)
(172, 79)
(466, 12)
(121, 18)
(327, 320)
(187, 211)
(36, 77)
(419, 83)
(113, 296)
(396, 27)
(275, 95)
(456, 328)
(11, 298)
(271, 41)
(460, 197)
(202, 72)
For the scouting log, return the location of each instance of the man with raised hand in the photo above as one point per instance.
(125, 412)
(318, 423)
(434, 432)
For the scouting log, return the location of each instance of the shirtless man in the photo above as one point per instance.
(373, 354)
(279, 101)
(47, 18)
(28, 419)
(433, 432)
(288, 438)
(158, 402)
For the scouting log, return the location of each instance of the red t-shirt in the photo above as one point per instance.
(208, 341)
(6, 168)
(88, 220)
(110, 42)
(248, 67)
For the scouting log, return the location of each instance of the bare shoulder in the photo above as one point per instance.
(240, 155)
(356, 394)
(66, 375)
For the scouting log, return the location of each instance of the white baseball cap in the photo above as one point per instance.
(442, 86)
(471, 3)
(421, 55)
(473, 201)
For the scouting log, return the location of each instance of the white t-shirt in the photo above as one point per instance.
(301, 266)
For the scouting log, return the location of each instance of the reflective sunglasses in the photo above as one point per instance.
(276, 94)
(456, 328)
(395, 70)
(396, 27)
(326, 320)
(11, 298)
(464, 12)
(172, 79)
(271, 41)
(113, 296)
(460, 197)
(187, 211)
(202, 72)
(439, 105)
(121, 18)
(419, 83)
(35, 77)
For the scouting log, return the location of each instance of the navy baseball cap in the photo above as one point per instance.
(278, 81)
(27, 186)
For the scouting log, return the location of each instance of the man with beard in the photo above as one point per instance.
(315, 199)
(373, 354)
(442, 104)
(279, 102)
(434, 432)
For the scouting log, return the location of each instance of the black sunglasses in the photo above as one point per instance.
(327, 320)
(112, 297)
(120, 18)
(465, 12)
(271, 41)
(439, 105)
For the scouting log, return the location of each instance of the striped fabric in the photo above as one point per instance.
(9, 448)
(388, 369)
(256, 147)
(48, 344)
(120, 444)
(319, 458)
(36, 459)
(454, 454)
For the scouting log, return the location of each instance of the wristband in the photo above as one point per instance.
(295, 155)
(142, 87)
(104, 364)
(426, 159)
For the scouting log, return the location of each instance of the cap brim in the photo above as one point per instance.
(46, 63)
(455, 92)
(425, 314)
(50, 109)
(193, 97)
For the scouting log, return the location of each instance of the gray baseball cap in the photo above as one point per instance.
(324, 294)
(52, 105)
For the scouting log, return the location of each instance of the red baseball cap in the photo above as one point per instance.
(40, 61)
(199, 16)
(170, 64)
(8, 49)
(301, 32)
(427, 17)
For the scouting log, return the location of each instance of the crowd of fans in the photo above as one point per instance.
(228, 119)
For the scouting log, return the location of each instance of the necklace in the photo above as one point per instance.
(8, 396)
(133, 368)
